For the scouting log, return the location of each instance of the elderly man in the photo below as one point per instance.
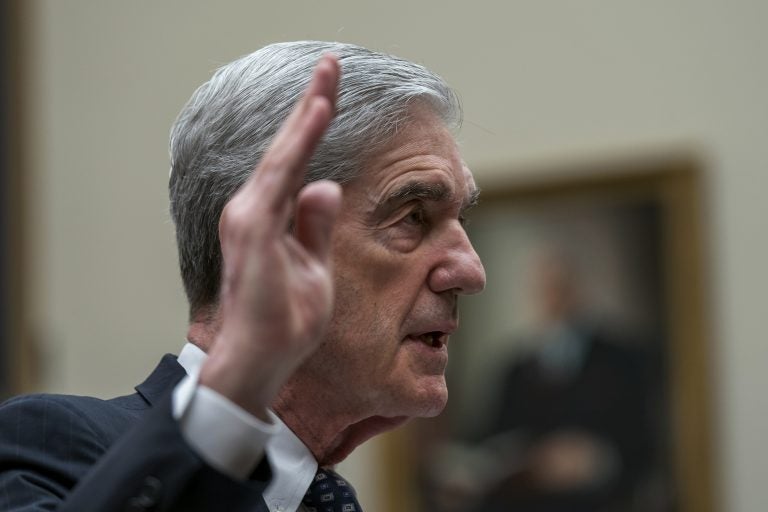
(323, 289)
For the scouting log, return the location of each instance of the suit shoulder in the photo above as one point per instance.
(80, 418)
(28, 416)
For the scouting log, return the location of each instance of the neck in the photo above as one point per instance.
(203, 327)
(330, 430)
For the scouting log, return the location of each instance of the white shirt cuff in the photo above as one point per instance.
(222, 433)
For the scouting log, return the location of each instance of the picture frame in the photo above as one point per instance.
(633, 226)
(19, 362)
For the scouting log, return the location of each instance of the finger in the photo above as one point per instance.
(323, 84)
(309, 119)
(317, 208)
(281, 172)
(325, 78)
(284, 166)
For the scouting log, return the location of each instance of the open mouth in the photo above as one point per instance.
(434, 339)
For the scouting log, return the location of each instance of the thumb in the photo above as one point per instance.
(317, 207)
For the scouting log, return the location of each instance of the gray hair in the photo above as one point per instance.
(228, 124)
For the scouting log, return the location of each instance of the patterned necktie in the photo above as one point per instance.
(329, 492)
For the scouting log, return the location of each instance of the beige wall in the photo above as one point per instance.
(539, 81)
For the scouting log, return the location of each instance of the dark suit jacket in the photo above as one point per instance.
(83, 454)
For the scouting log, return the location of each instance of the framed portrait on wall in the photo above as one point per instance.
(17, 361)
(578, 378)
(5, 161)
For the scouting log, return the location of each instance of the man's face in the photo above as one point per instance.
(401, 259)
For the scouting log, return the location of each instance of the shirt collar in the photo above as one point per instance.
(293, 465)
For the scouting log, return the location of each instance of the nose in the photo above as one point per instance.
(459, 267)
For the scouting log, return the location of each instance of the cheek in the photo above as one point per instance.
(374, 294)
(362, 336)
(377, 272)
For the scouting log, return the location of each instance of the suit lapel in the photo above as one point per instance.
(167, 373)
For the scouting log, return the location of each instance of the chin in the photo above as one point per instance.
(429, 400)
(435, 407)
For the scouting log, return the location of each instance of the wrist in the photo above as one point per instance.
(250, 388)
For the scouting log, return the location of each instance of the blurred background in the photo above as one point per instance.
(92, 297)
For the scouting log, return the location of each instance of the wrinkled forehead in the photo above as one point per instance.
(421, 162)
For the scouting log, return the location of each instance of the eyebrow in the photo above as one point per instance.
(474, 199)
(423, 191)
(418, 190)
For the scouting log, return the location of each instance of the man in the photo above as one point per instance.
(317, 318)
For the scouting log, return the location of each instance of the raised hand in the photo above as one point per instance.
(277, 289)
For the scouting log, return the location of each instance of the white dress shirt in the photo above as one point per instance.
(233, 441)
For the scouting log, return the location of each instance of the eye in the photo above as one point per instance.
(416, 217)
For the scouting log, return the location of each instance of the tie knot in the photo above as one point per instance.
(329, 492)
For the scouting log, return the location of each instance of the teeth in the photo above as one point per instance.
(432, 339)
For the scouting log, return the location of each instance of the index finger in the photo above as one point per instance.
(280, 174)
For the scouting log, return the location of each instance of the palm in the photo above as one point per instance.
(277, 292)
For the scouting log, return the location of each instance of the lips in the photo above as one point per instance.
(433, 336)
(434, 339)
